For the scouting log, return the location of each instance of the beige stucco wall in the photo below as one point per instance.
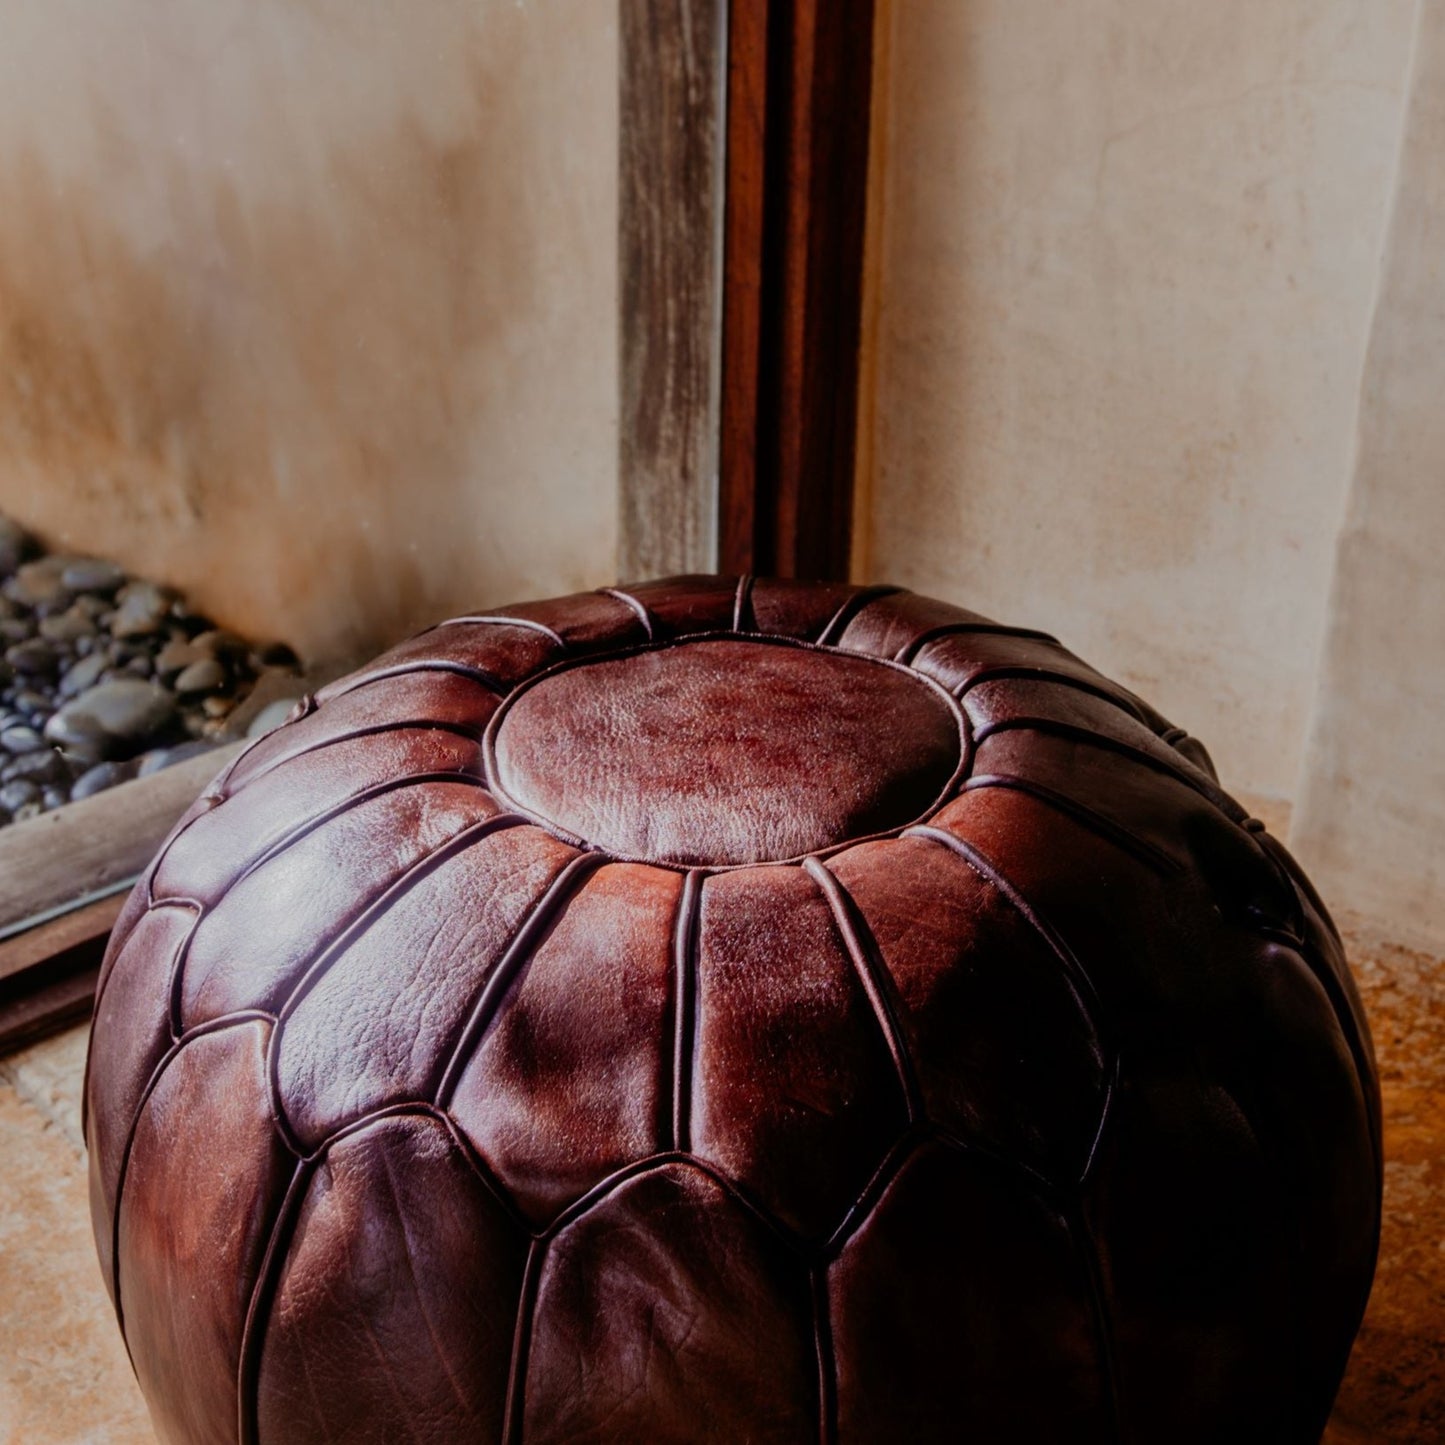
(1370, 822)
(310, 306)
(1124, 271)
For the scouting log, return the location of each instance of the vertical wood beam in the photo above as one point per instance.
(799, 90)
(670, 261)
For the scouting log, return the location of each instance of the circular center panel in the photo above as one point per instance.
(723, 751)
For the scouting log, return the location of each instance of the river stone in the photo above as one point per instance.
(102, 776)
(44, 766)
(16, 794)
(91, 574)
(20, 738)
(86, 673)
(142, 609)
(41, 584)
(160, 758)
(36, 658)
(203, 676)
(176, 656)
(67, 626)
(126, 710)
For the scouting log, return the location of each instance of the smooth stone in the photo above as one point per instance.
(15, 795)
(9, 610)
(20, 738)
(274, 684)
(55, 796)
(219, 643)
(160, 758)
(99, 778)
(29, 811)
(31, 702)
(16, 545)
(91, 574)
(34, 658)
(86, 673)
(270, 717)
(91, 606)
(140, 666)
(17, 629)
(45, 766)
(141, 609)
(218, 706)
(129, 710)
(67, 626)
(203, 676)
(175, 657)
(41, 584)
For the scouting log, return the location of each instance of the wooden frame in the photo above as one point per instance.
(799, 103)
(740, 377)
(63, 878)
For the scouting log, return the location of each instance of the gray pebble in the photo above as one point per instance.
(219, 643)
(90, 574)
(67, 626)
(127, 710)
(20, 738)
(86, 673)
(14, 795)
(45, 766)
(175, 657)
(57, 795)
(141, 609)
(270, 717)
(34, 658)
(101, 777)
(17, 629)
(158, 758)
(203, 676)
(32, 703)
(40, 584)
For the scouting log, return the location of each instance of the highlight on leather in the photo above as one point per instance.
(731, 1009)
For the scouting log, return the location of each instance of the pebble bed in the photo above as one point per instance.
(106, 677)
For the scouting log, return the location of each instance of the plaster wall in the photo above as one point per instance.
(309, 306)
(1125, 264)
(1370, 821)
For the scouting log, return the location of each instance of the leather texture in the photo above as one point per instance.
(739, 1010)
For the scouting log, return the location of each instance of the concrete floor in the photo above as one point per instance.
(65, 1380)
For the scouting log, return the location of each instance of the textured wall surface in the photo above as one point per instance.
(1127, 261)
(310, 307)
(1371, 815)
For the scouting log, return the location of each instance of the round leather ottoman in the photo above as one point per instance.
(730, 1010)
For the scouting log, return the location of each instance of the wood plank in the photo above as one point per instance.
(49, 862)
(670, 244)
(48, 973)
(799, 103)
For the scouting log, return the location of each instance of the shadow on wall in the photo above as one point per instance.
(320, 363)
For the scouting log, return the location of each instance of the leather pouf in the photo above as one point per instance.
(740, 1011)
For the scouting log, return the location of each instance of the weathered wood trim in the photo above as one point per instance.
(84, 848)
(670, 247)
(48, 974)
(799, 100)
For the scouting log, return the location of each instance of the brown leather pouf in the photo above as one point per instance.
(731, 1011)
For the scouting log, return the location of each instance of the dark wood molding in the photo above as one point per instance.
(48, 974)
(799, 97)
(670, 178)
(63, 879)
